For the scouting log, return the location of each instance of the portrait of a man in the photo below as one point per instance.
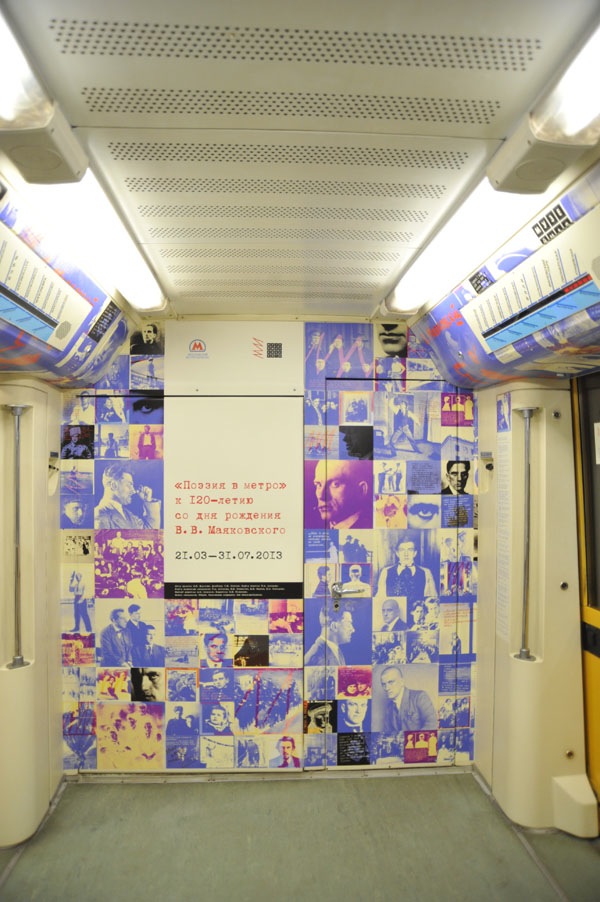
(402, 708)
(343, 494)
(456, 476)
(147, 340)
(337, 629)
(406, 578)
(76, 513)
(115, 508)
(353, 715)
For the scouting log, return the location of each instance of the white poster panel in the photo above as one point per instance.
(234, 357)
(233, 497)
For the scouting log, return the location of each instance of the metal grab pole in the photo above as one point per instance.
(16, 410)
(524, 652)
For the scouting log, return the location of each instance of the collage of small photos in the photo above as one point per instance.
(378, 673)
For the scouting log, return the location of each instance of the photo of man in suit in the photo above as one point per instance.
(353, 715)
(149, 654)
(136, 628)
(337, 628)
(393, 622)
(115, 644)
(457, 476)
(404, 708)
(406, 579)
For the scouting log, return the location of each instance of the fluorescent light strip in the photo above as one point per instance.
(23, 103)
(484, 222)
(80, 219)
(82, 222)
(570, 113)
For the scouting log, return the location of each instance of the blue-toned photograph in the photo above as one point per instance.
(146, 407)
(320, 544)
(407, 564)
(183, 752)
(116, 376)
(337, 632)
(337, 350)
(128, 494)
(76, 512)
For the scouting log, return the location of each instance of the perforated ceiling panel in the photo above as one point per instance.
(292, 158)
(325, 216)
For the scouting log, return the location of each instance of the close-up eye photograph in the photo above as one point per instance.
(147, 407)
(423, 512)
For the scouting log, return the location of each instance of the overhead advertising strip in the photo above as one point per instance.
(553, 284)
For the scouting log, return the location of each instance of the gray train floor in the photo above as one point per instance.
(421, 837)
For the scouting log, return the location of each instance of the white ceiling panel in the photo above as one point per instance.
(292, 159)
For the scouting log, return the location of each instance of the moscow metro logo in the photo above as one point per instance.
(197, 348)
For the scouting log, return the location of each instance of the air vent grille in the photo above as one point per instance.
(227, 211)
(294, 234)
(266, 293)
(292, 45)
(63, 329)
(203, 285)
(278, 271)
(268, 253)
(284, 154)
(286, 186)
(371, 107)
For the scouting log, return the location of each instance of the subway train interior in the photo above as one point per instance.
(343, 258)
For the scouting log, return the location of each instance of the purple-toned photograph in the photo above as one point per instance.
(420, 747)
(147, 372)
(146, 442)
(338, 494)
(129, 563)
(112, 409)
(181, 617)
(354, 715)
(216, 685)
(112, 441)
(77, 478)
(405, 697)
(321, 408)
(457, 409)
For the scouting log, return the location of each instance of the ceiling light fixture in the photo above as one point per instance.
(558, 130)
(82, 222)
(34, 133)
(60, 189)
(482, 224)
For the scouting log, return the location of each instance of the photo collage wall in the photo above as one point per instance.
(375, 668)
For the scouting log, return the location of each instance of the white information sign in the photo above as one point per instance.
(233, 496)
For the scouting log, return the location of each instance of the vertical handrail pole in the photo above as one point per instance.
(17, 410)
(524, 651)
